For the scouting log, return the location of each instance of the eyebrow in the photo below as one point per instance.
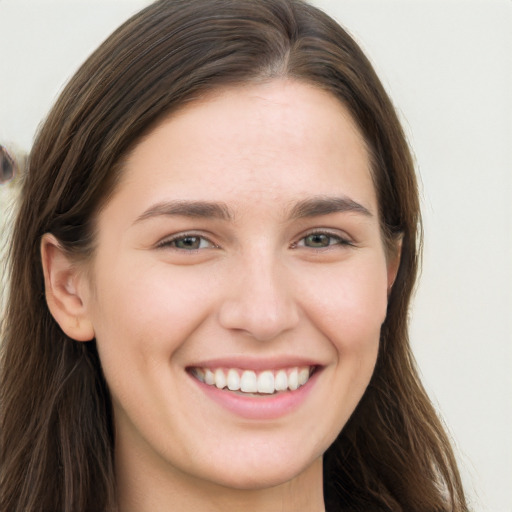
(199, 209)
(325, 205)
(311, 207)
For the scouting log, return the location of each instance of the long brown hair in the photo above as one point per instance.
(57, 435)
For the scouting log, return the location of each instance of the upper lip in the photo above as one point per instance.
(256, 364)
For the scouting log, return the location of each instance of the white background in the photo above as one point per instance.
(447, 65)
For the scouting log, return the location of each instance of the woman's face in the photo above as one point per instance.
(241, 250)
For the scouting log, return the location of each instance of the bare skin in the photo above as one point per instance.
(243, 239)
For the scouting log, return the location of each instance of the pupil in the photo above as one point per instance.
(317, 240)
(189, 242)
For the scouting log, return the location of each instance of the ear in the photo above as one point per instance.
(393, 262)
(64, 289)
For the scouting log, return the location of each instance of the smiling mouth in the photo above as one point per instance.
(249, 382)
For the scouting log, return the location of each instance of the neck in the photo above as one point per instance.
(146, 492)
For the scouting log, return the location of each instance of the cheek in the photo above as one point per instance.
(142, 312)
(349, 305)
(143, 316)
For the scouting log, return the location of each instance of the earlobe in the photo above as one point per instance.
(64, 290)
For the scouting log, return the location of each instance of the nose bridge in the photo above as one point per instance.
(260, 300)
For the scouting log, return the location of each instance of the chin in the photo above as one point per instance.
(264, 474)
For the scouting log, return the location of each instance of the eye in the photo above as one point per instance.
(187, 242)
(322, 240)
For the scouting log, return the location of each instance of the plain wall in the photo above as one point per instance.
(447, 66)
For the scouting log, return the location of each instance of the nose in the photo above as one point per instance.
(260, 301)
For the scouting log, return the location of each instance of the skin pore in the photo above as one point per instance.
(243, 236)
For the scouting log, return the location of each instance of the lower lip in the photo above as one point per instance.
(263, 407)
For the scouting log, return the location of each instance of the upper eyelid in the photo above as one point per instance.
(172, 238)
(335, 233)
(344, 240)
(332, 232)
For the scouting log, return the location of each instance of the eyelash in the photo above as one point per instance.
(339, 240)
(171, 242)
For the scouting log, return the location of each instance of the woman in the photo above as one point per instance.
(213, 263)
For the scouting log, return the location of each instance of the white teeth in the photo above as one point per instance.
(303, 376)
(281, 381)
(266, 382)
(209, 377)
(293, 379)
(220, 379)
(248, 381)
(233, 380)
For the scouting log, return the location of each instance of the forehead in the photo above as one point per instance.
(283, 140)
